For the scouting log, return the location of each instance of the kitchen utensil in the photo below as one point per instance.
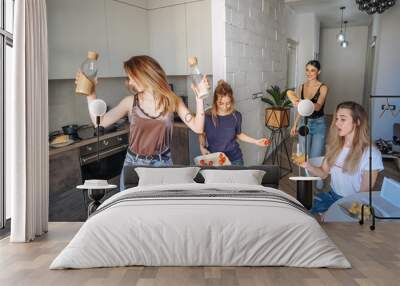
(71, 130)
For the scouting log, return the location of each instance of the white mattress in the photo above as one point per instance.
(191, 231)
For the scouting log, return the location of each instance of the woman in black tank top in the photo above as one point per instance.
(315, 91)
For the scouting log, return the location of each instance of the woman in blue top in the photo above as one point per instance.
(223, 126)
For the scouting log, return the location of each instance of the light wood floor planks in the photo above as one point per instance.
(375, 257)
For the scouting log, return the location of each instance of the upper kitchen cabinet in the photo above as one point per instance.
(179, 31)
(167, 27)
(168, 30)
(127, 34)
(74, 28)
(198, 36)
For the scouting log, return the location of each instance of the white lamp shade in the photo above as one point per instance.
(98, 107)
(340, 37)
(305, 107)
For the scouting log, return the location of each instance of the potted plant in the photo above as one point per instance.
(278, 114)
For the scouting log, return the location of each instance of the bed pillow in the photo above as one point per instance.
(249, 177)
(166, 176)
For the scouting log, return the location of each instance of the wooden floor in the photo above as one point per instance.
(374, 255)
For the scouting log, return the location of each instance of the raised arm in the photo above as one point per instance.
(114, 114)
(194, 122)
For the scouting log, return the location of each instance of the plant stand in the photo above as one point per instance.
(275, 149)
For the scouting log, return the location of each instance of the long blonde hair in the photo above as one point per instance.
(360, 141)
(223, 89)
(150, 74)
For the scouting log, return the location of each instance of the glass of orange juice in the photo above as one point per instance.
(298, 152)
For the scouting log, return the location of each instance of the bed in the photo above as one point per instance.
(196, 224)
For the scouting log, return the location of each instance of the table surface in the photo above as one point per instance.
(304, 178)
(83, 187)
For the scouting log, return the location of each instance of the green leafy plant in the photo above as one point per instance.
(277, 98)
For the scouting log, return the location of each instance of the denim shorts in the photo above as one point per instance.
(131, 160)
(323, 200)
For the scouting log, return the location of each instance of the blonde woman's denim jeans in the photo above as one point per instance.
(131, 160)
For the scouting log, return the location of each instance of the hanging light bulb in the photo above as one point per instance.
(344, 43)
(340, 36)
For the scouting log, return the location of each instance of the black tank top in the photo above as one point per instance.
(319, 113)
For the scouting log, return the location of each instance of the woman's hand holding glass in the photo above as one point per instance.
(203, 81)
(93, 94)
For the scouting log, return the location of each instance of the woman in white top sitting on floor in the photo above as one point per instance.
(347, 157)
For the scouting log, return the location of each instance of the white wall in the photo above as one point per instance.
(291, 18)
(386, 71)
(343, 70)
(255, 58)
(308, 28)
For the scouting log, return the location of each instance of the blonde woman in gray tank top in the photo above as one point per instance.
(150, 109)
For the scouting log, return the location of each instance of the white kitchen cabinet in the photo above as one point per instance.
(167, 28)
(198, 33)
(74, 28)
(118, 30)
(127, 34)
(180, 31)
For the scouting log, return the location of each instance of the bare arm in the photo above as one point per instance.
(322, 97)
(194, 122)
(114, 114)
(365, 181)
(202, 143)
(322, 172)
(246, 138)
(293, 130)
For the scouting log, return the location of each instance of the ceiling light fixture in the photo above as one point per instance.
(344, 43)
(375, 6)
(340, 36)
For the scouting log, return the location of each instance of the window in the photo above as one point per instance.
(6, 44)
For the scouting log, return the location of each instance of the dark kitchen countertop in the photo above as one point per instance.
(54, 151)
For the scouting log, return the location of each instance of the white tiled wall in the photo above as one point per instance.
(255, 59)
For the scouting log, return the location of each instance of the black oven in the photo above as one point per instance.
(112, 153)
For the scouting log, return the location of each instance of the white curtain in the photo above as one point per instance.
(27, 124)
